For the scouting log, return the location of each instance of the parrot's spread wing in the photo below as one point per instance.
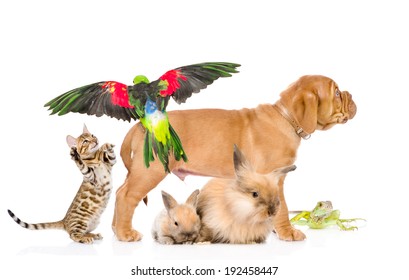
(183, 81)
(103, 98)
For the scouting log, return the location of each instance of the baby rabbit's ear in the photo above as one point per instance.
(285, 169)
(168, 201)
(280, 172)
(192, 199)
(241, 164)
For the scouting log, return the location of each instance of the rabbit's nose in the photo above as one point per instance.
(273, 207)
(189, 235)
(272, 210)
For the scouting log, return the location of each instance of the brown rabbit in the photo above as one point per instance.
(240, 210)
(178, 223)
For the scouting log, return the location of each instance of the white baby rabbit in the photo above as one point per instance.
(240, 210)
(177, 223)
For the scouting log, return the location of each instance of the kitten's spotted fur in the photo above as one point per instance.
(91, 200)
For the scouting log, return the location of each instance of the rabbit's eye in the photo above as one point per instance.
(176, 224)
(255, 194)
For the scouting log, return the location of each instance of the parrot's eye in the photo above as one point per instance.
(85, 141)
(176, 224)
(255, 194)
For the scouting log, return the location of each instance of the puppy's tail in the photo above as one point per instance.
(126, 149)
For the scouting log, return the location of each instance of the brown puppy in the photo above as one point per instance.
(269, 134)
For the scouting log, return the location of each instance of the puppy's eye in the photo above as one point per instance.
(337, 92)
(255, 194)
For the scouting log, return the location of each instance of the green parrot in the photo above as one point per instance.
(146, 101)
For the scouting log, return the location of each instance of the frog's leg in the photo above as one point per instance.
(296, 220)
(341, 221)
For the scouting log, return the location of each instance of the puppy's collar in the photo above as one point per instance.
(287, 115)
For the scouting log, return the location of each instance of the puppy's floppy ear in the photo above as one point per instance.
(307, 110)
(241, 164)
(192, 199)
(168, 201)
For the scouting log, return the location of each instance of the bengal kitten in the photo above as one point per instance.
(92, 198)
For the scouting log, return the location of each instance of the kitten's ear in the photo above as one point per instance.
(71, 141)
(85, 129)
(169, 201)
(241, 164)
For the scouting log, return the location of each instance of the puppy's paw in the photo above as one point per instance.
(291, 234)
(129, 235)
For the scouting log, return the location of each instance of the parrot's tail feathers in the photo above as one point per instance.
(176, 145)
(154, 148)
(147, 149)
(162, 152)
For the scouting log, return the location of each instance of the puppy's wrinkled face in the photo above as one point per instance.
(334, 106)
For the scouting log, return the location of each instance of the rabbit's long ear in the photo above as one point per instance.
(192, 199)
(241, 164)
(168, 201)
(280, 172)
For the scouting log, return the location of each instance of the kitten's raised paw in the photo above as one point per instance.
(108, 147)
(74, 153)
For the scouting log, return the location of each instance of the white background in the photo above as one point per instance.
(50, 47)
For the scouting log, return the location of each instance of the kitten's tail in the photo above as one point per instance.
(52, 225)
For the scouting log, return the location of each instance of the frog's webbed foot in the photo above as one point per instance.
(341, 225)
